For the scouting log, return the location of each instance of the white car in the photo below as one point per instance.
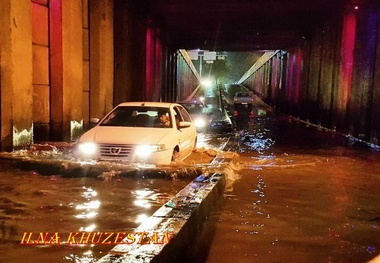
(140, 132)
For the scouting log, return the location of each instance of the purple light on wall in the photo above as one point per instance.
(298, 74)
(347, 59)
(158, 69)
(294, 73)
(274, 84)
(289, 85)
(149, 67)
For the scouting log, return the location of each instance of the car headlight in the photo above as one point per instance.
(87, 148)
(199, 123)
(146, 150)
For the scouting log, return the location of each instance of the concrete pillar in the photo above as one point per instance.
(101, 57)
(66, 63)
(16, 75)
(130, 50)
(375, 125)
(56, 70)
(86, 67)
(72, 58)
(41, 71)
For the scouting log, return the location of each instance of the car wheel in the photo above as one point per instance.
(175, 155)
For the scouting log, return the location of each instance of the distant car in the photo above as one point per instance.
(221, 122)
(140, 132)
(207, 119)
(243, 111)
(243, 98)
(199, 113)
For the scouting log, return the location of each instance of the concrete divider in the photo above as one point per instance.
(169, 233)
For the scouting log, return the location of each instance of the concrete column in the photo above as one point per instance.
(375, 125)
(41, 71)
(56, 70)
(72, 58)
(66, 63)
(130, 50)
(16, 74)
(101, 57)
(86, 67)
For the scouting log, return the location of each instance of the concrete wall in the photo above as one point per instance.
(57, 69)
(101, 57)
(16, 75)
(145, 69)
(331, 78)
(66, 61)
(130, 51)
(41, 71)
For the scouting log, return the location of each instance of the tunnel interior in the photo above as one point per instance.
(242, 30)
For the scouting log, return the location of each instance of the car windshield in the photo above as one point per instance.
(243, 95)
(137, 116)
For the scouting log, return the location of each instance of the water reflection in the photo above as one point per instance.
(255, 142)
(32, 203)
(303, 195)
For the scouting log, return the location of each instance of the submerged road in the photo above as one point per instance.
(294, 193)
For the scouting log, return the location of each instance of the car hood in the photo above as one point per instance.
(124, 135)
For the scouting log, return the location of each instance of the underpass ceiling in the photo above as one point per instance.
(240, 25)
(243, 29)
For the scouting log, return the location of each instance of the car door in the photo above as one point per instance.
(185, 135)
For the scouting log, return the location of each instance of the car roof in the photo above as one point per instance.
(190, 102)
(149, 104)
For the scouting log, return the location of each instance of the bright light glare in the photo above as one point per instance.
(90, 205)
(142, 203)
(206, 82)
(146, 150)
(199, 123)
(141, 218)
(87, 147)
(86, 216)
(89, 192)
(89, 228)
(143, 193)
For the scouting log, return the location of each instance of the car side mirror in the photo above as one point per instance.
(94, 120)
(184, 124)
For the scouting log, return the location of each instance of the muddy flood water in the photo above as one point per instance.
(294, 194)
(300, 194)
(33, 203)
